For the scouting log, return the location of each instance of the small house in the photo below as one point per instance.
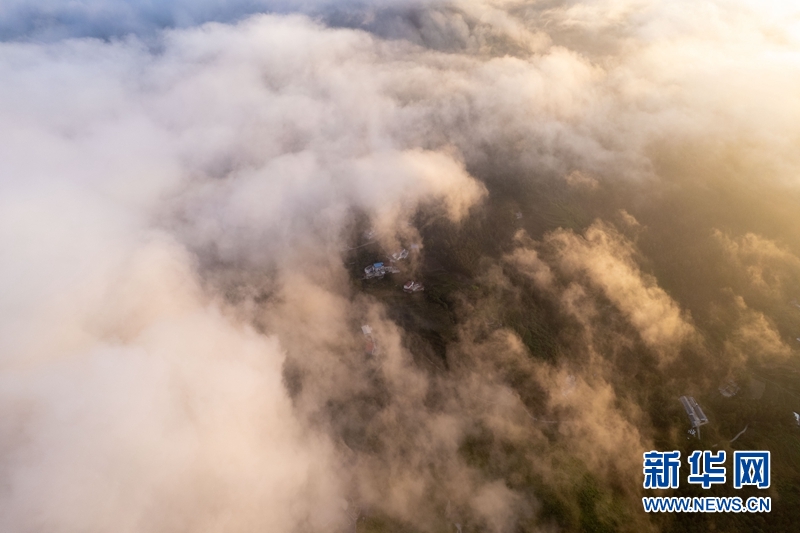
(413, 286)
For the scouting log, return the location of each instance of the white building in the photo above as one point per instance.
(399, 256)
(413, 286)
(696, 414)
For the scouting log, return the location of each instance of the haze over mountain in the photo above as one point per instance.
(602, 197)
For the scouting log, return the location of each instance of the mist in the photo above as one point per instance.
(600, 199)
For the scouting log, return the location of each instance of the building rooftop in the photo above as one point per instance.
(696, 414)
(413, 286)
(399, 256)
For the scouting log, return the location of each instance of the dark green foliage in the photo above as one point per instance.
(589, 499)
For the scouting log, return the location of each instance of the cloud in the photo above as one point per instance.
(51, 20)
(768, 267)
(754, 337)
(557, 422)
(180, 335)
(602, 259)
(138, 388)
(167, 412)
